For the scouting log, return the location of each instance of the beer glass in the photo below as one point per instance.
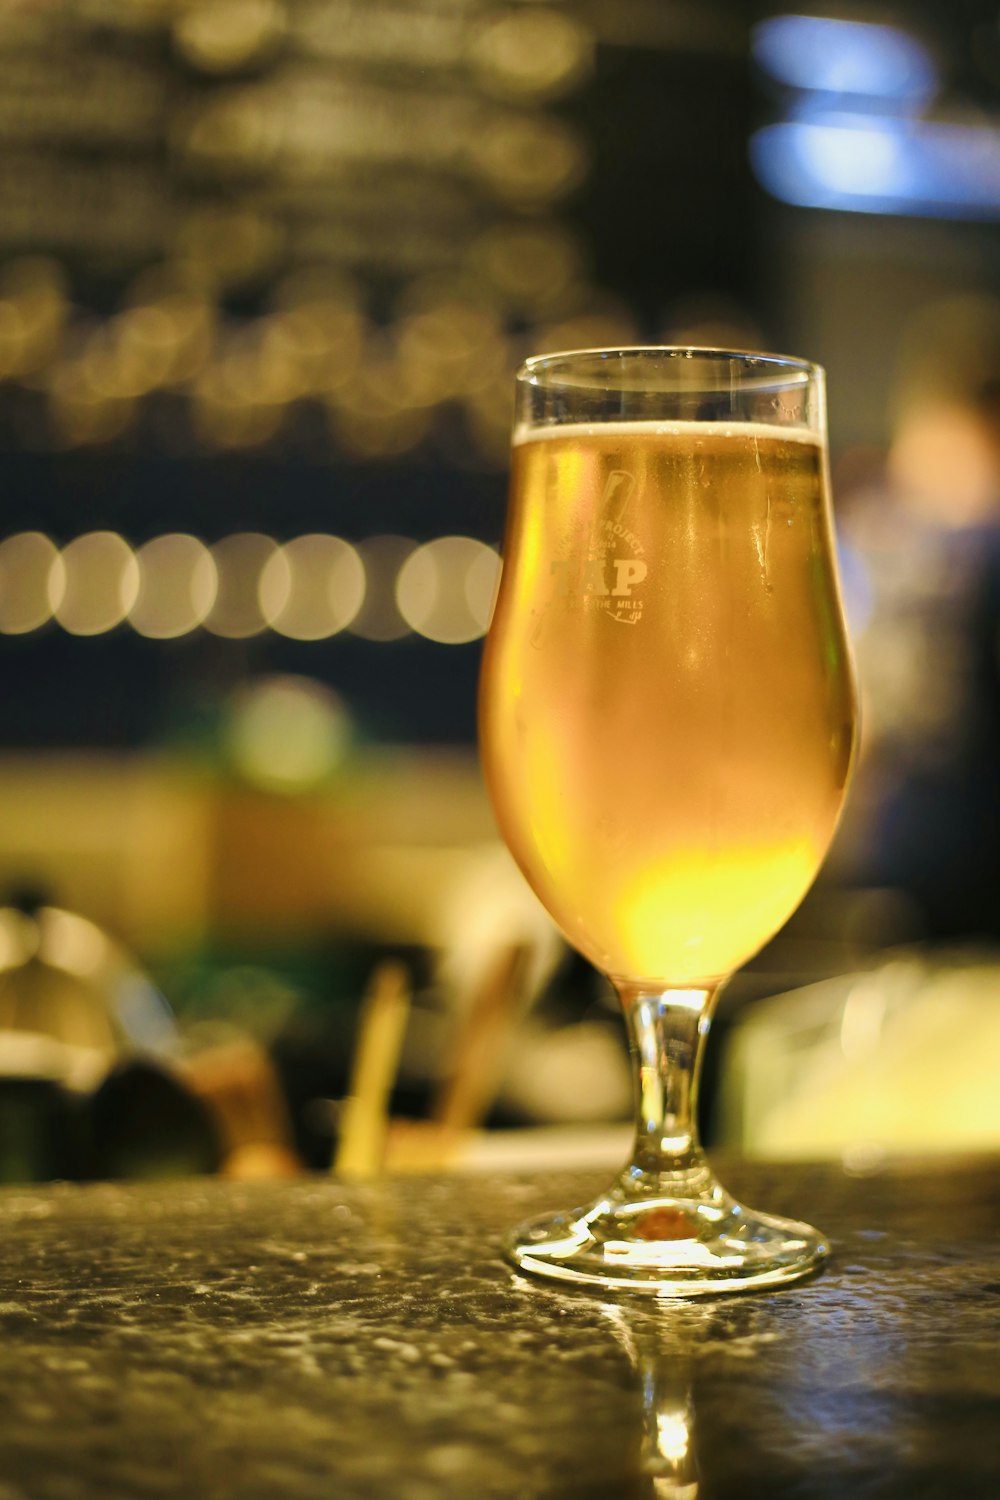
(667, 726)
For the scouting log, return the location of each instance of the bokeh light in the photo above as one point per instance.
(319, 324)
(449, 348)
(607, 324)
(379, 618)
(288, 733)
(532, 52)
(374, 415)
(239, 398)
(312, 587)
(225, 246)
(228, 35)
(529, 160)
(239, 561)
(530, 267)
(84, 411)
(482, 576)
(33, 311)
(444, 590)
(97, 585)
(309, 589)
(178, 584)
(28, 562)
(166, 319)
(488, 413)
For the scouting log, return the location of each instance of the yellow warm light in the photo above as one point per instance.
(312, 587)
(239, 399)
(148, 346)
(448, 349)
(434, 593)
(379, 618)
(239, 561)
(374, 415)
(28, 561)
(608, 327)
(226, 131)
(530, 267)
(530, 160)
(115, 367)
(82, 412)
(72, 943)
(98, 583)
(33, 310)
(169, 322)
(533, 53)
(487, 418)
(178, 584)
(322, 340)
(712, 907)
(673, 1435)
(228, 34)
(223, 245)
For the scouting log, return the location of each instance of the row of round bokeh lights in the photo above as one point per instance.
(378, 387)
(309, 588)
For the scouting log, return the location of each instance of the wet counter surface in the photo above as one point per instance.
(316, 1340)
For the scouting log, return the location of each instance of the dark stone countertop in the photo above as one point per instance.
(223, 1342)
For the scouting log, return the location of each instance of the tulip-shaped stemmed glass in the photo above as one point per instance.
(667, 722)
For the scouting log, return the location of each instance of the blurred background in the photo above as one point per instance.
(266, 269)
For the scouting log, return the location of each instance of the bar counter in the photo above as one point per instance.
(222, 1342)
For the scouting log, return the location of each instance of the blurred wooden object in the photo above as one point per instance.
(424, 1146)
(369, 1140)
(237, 1081)
(473, 1073)
(364, 1113)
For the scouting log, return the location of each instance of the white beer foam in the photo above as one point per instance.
(768, 431)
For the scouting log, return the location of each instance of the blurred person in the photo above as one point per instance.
(924, 550)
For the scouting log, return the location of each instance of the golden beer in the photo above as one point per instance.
(667, 701)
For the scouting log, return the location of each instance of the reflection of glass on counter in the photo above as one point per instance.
(668, 1455)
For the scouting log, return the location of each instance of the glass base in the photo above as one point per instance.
(668, 1246)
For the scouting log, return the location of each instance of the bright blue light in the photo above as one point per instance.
(852, 58)
(871, 164)
(866, 157)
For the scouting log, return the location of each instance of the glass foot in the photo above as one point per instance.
(665, 1245)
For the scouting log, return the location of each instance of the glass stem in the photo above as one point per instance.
(667, 1030)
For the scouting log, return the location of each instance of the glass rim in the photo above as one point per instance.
(758, 360)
